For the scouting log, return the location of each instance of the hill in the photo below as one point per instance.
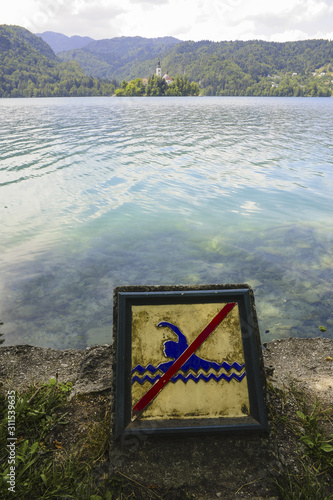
(60, 43)
(15, 39)
(220, 68)
(121, 57)
(254, 67)
(30, 68)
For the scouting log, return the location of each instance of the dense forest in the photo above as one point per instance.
(29, 68)
(254, 67)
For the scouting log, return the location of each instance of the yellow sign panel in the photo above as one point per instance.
(189, 361)
(211, 381)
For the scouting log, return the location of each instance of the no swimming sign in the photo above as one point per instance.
(188, 360)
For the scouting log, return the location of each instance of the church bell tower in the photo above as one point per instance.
(158, 69)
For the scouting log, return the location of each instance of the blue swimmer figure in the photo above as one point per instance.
(174, 349)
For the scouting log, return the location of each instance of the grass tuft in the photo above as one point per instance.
(309, 475)
(38, 472)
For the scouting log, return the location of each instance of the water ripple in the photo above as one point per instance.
(161, 191)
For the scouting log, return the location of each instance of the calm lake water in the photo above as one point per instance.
(101, 192)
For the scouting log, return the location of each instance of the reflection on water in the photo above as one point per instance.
(100, 192)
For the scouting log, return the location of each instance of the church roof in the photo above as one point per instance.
(167, 78)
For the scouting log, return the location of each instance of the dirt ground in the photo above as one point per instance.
(306, 363)
(212, 467)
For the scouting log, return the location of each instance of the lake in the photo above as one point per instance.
(100, 192)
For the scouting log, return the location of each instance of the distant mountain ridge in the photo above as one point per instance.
(60, 43)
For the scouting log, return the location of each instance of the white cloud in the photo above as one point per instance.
(186, 19)
(152, 3)
(75, 17)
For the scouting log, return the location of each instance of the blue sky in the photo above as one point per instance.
(216, 20)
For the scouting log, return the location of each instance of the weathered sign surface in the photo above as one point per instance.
(188, 360)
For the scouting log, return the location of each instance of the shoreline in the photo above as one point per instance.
(299, 376)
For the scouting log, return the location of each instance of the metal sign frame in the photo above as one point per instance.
(127, 297)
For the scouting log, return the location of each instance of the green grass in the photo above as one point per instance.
(48, 469)
(312, 474)
(38, 472)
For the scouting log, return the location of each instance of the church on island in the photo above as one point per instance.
(166, 77)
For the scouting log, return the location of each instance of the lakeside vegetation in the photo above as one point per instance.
(157, 86)
(30, 68)
(303, 425)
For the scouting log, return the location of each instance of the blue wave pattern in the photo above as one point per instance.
(195, 368)
(145, 377)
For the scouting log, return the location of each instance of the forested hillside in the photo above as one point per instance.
(220, 68)
(256, 67)
(122, 58)
(29, 68)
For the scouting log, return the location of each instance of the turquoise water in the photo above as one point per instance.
(101, 192)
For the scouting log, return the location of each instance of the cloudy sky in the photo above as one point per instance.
(277, 20)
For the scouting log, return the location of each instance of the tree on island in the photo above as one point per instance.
(157, 86)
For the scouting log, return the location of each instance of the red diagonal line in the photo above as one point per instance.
(179, 362)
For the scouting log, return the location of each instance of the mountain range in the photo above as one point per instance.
(121, 58)
(60, 43)
(221, 68)
(54, 64)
